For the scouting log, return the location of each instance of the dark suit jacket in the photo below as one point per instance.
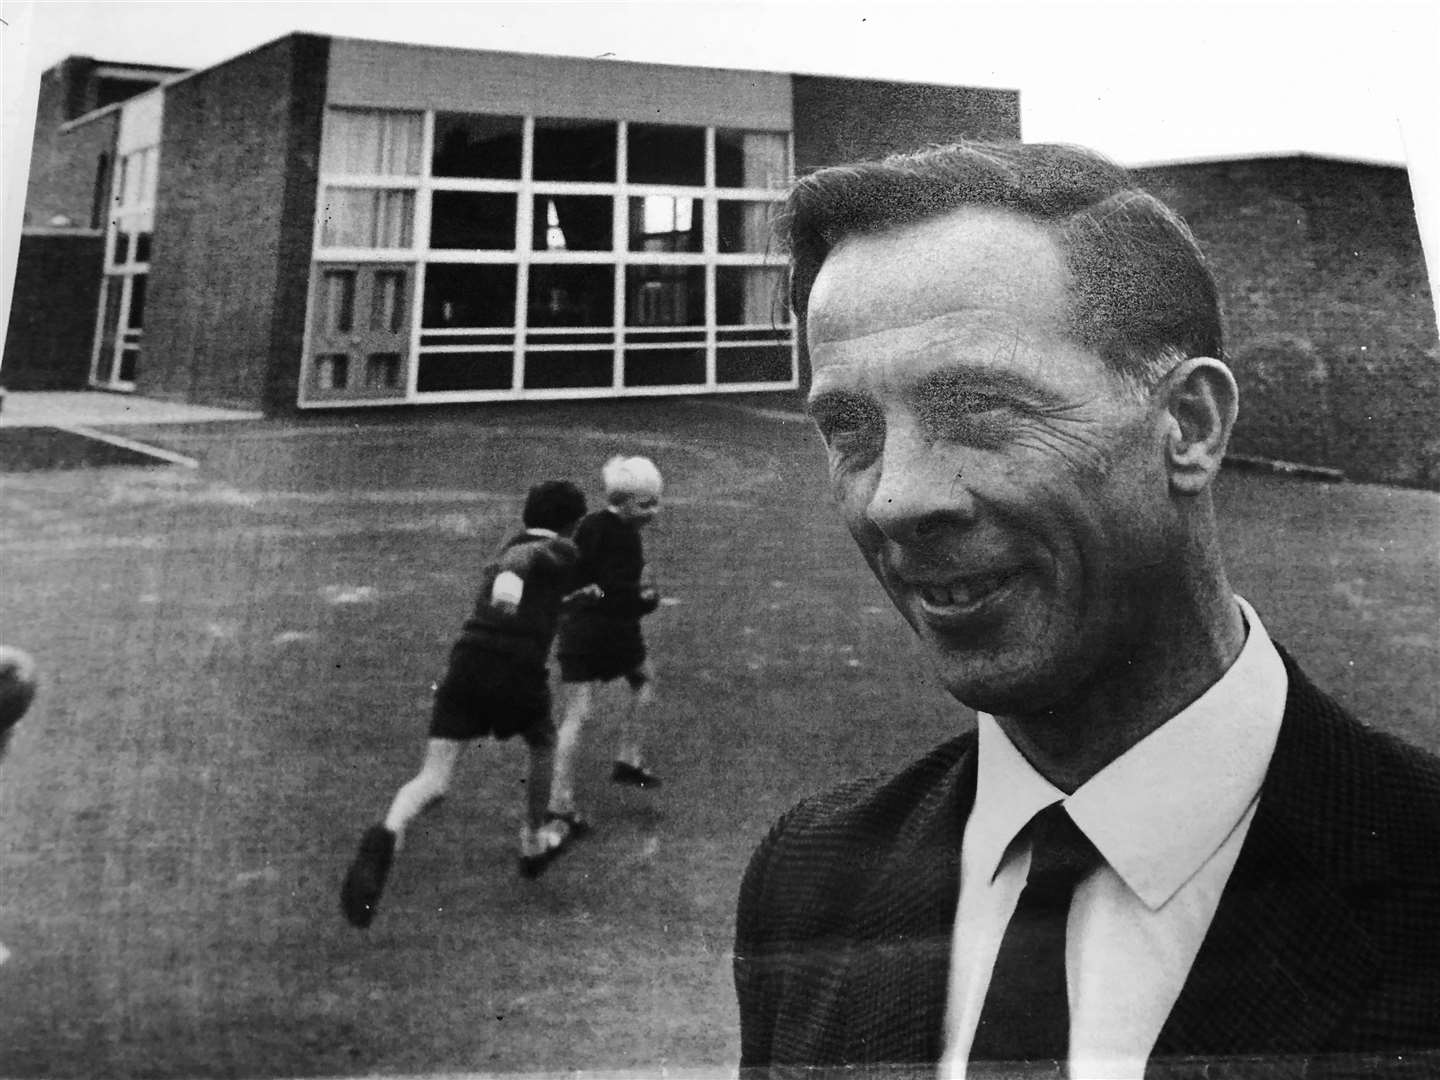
(1324, 955)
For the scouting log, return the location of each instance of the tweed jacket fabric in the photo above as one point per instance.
(1323, 957)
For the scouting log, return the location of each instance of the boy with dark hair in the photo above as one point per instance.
(18, 680)
(600, 639)
(496, 685)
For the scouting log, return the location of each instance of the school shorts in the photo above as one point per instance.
(598, 649)
(488, 693)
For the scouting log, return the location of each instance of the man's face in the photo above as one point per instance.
(1008, 493)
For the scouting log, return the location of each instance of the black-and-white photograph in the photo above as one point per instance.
(734, 538)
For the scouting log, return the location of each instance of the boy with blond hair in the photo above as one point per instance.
(600, 638)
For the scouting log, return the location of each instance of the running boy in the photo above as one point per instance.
(600, 639)
(496, 685)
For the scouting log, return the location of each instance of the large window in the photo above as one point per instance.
(546, 255)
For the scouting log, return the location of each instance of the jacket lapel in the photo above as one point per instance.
(897, 969)
(1284, 959)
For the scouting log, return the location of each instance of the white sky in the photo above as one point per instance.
(1142, 82)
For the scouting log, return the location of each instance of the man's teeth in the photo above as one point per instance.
(959, 593)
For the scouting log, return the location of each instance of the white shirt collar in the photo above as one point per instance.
(1160, 810)
(549, 533)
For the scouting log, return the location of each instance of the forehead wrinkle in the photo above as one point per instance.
(978, 339)
(969, 258)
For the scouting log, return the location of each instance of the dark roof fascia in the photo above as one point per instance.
(185, 74)
(1280, 155)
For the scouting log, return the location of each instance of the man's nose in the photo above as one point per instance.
(921, 489)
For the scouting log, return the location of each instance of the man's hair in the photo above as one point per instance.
(625, 476)
(553, 505)
(1141, 295)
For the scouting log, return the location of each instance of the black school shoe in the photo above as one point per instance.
(634, 775)
(365, 881)
(532, 866)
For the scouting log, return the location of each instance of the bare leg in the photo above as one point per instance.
(537, 786)
(578, 706)
(365, 880)
(428, 786)
(630, 749)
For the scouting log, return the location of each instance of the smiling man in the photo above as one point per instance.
(1162, 845)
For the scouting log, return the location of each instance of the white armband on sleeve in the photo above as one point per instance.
(508, 588)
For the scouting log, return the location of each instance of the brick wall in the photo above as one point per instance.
(52, 316)
(1331, 328)
(839, 120)
(233, 224)
(68, 169)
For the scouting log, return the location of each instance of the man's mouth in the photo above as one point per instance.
(962, 594)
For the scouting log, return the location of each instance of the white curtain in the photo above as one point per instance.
(764, 153)
(372, 143)
(755, 225)
(367, 218)
(760, 302)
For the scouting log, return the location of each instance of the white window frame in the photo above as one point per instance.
(418, 255)
(133, 184)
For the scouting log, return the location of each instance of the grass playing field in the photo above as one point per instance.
(237, 663)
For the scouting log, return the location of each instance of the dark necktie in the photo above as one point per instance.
(1026, 1015)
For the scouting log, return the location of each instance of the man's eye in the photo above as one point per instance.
(846, 421)
(978, 403)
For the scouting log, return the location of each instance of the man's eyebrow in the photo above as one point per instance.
(822, 402)
(966, 380)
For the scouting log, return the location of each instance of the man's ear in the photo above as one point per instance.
(1202, 401)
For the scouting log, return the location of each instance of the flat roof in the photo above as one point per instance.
(1267, 155)
(180, 74)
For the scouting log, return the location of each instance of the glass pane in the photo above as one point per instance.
(467, 144)
(753, 159)
(569, 370)
(469, 296)
(574, 149)
(465, 371)
(338, 288)
(572, 296)
(666, 223)
(753, 364)
(142, 247)
(382, 371)
(131, 177)
(664, 154)
(664, 367)
(129, 362)
(665, 296)
(472, 219)
(332, 371)
(573, 223)
(361, 142)
(365, 218)
(750, 296)
(111, 323)
(150, 178)
(136, 319)
(387, 301)
(745, 226)
(120, 255)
